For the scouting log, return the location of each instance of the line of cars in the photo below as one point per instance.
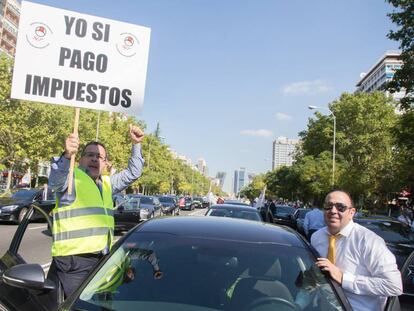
(226, 264)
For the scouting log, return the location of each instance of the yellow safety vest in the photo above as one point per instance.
(87, 225)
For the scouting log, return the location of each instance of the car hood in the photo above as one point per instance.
(166, 204)
(9, 201)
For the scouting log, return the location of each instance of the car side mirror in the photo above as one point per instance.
(121, 208)
(28, 276)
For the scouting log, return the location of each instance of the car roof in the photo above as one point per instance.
(234, 207)
(374, 219)
(223, 228)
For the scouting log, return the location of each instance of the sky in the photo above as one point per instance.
(227, 77)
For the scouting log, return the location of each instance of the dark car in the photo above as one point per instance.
(149, 206)
(299, 218)
(234, 211)
(185, 203)
(15, 204)
(284, 215)
(197, 202)
(400, 240)
(225, 264)
(169, 205)
(127, 214)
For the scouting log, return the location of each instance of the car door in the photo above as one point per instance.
(31, 244)
(127, 214)
(405, 302)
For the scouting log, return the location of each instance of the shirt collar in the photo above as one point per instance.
(345, 231)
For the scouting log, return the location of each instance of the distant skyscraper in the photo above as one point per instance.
(9, 22)
(382, 72)
(283, 151)
(239, 179)
(221, 176)
(202, 167)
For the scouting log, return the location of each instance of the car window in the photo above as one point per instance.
(166, 200)
(156, 272)
(146, 200)
(390, 232)
(131, 205)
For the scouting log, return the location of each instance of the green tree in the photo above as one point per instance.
(253, 190)
(403, 17)
(364, 142)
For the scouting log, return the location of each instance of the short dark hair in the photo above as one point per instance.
(96, 143)
(343, 191)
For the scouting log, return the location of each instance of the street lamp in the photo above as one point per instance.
(334, 139)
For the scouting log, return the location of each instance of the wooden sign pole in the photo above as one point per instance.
(72, 158)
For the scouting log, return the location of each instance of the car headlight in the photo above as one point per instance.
(9, 208)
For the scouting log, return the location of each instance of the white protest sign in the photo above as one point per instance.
(67, 58)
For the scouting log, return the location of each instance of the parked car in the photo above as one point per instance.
(127, 214)
(169, 205)
(185, 203)
(228, 264)
(15, 203)
(234, 211)
(197, 202)
(400, 241)
(149, 206)
(299, 218)
(284, 215)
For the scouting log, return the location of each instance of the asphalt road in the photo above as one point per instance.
(36, 243)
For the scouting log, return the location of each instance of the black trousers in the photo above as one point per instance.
(73, 270)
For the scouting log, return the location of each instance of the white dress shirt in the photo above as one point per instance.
(370, 272)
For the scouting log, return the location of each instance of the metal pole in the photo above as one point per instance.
(333, 152)
(97, 126)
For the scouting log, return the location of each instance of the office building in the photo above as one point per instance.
(381, 73)
(220, 176)
(239, 180)
(283, 152)
(202, 167)
(9, 23)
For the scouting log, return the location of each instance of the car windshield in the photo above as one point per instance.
(160, 271)
(235, 213)
(391, 232)
(284, 209)
(166, 200)
(146, 200)
(22, 194)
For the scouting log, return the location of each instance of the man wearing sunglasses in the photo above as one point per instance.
(355, 257)
(83, 222)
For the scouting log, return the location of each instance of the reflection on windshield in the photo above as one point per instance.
(158, 271)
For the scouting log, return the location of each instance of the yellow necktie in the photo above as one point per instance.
(331, 248)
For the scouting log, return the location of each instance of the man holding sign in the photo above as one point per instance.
(83, 223)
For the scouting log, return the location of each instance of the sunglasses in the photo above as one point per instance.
(340, 207)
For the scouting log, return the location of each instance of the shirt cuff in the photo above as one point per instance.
(348, 280)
